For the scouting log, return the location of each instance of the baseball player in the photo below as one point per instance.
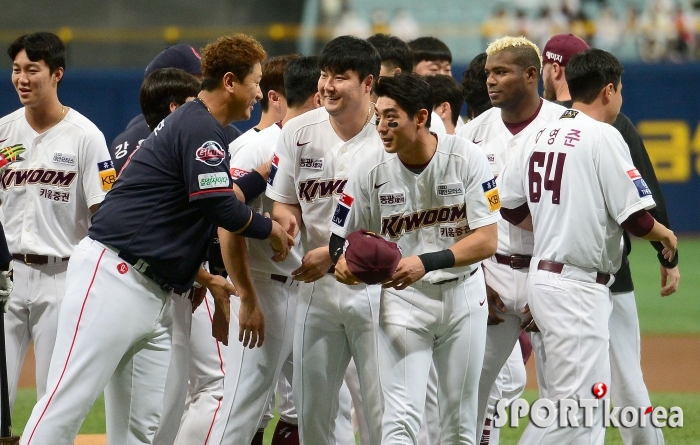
(574, 181)
(512, 67)
(47, 198)
(434, 196)
(149, 239)
(247, 385)
(476, 94)
(179, 56)
(313, 158)
(447, 100)
(628, 388)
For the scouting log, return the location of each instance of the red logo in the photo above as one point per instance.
(238, 173)
(633, 174)
(210, 153)
(650, 409)
(122, 268)
(599, 390)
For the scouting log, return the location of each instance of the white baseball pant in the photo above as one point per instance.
(103, 314)
(426, 323)
(32, 315)
(509, 384)
(251, 373)
(572, 312)
(335, 322)
(628, 388)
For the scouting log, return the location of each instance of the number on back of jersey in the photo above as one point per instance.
(553, 164)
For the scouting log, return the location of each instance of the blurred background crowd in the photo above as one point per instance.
(126, 33)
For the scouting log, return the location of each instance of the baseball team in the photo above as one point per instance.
(386, 267)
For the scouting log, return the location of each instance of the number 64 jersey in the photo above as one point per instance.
(577, 178)
(425, 212)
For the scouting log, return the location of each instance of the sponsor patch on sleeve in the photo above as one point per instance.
(342, 209)
(107, 174)
(491, 194)
(273, 169)
(642, 187)
(238, 172)
(213, 180)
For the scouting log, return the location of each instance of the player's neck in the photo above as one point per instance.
(348, 124)
(294, 112)
(524, 110)
(45, 116)
(420, 151)
(218, 106)
(562, 93)
(593, 110)
(268, 118)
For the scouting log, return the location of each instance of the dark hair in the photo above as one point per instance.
(273, 77)
(350, 53)
(161, 88)
(476, 94)
(431, 49)
(236, 54)
(394, 52)
(590, 71)
(409, 90)
(301, 80)
(44, 46)
(446, 89)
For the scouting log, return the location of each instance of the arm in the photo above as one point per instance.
(641, 224)
(221, 289)
(251, 321)
(481, 244)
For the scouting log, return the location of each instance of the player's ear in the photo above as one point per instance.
(174, 106)
(57, 74)
(557, 70)
(607, 92)
(368, 82)
(421, 118)
(532, 74)
(272, 96)
(229, 80)
(317, 100)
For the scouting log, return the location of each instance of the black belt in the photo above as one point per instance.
(280, 278)
(30, 258)
(514, 261)
(455, 279)
(553, 266)
(144, 268)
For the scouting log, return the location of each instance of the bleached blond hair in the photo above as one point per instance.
(516, 43)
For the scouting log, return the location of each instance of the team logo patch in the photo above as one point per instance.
(238, 172)
(454, 189)
(569, 114)
(64, 158)
(642, 187)
(491, 194)
(491, 157)
(390, 199)
(107, 174)
(273, 169)
(213, 180)
(210, 153)
(342, 209)
(315, 164)
(122, 268)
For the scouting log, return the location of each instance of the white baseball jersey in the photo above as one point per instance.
(436, 124)
(311, 166)
(257, 149)
(46, 198)
(578, 180)
(495, 139)
(425, 212)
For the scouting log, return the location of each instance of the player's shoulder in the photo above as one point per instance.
(80, 123)
(453, 146)
(482, 121)
(11, 118)
(550, 111)
(242, 140)
(310, 119)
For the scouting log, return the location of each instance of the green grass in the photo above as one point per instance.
(26, 398)
(678, 313)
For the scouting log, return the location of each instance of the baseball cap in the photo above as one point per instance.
(562, 47)
(371, 258)
(179, 56)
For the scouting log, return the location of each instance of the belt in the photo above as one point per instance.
(455, 279)
(553, 266)
(30, 258)
(143, 268)
(281, 278)
(514, 261)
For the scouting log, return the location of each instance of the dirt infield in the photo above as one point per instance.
(668, 363)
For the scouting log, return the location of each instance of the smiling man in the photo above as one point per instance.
(513, 66)
(435, 196)
(148, 240)
(47, 198)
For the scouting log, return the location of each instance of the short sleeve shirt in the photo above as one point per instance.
(150, 213)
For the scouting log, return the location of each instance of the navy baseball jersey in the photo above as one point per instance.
(156, 209)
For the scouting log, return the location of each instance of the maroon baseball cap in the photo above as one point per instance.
(561, 48)
(179, 56)
(371, 258)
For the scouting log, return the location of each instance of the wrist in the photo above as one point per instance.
(443, 259)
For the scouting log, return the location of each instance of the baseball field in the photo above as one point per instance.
(670, 352)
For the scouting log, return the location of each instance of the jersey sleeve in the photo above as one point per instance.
(510, 182)
(353, 209)
(97, 168)
(624, 188)
(281, 186)
(204, 159)
(481, 194)
(244, 161)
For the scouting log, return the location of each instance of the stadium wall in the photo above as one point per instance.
(662, 100)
